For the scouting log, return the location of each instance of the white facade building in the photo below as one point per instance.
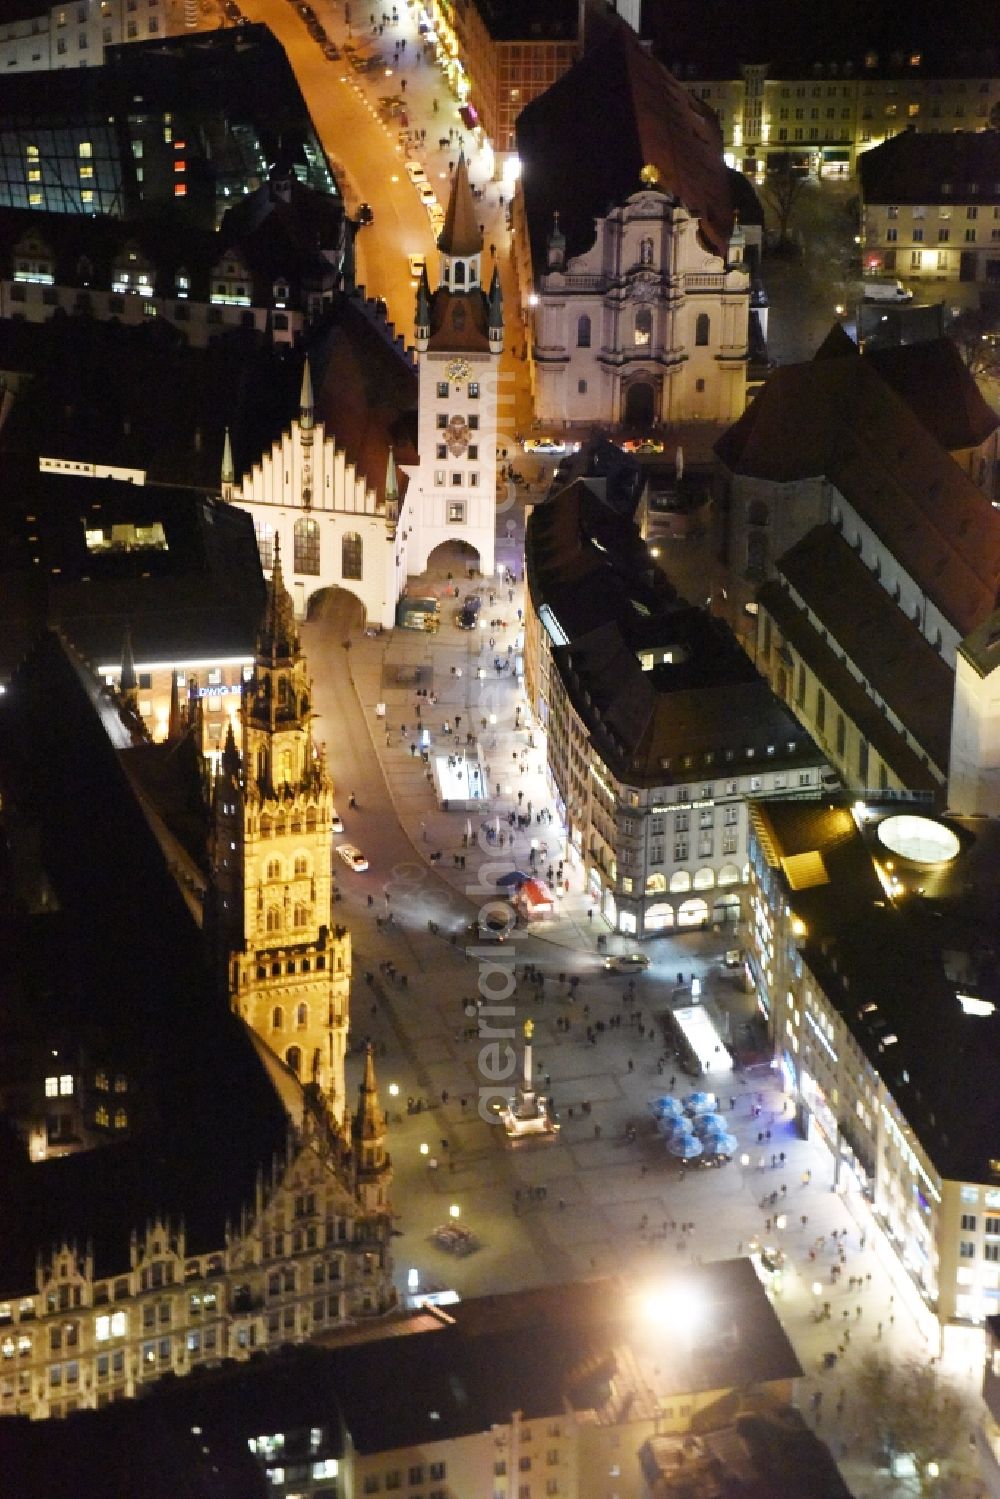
(335, 529)
(647, 326)
(75, 34)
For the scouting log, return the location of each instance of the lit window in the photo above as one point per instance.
(51, 1087)
(66, 1084)
(180, 189)
(86, 172)
(86, 150)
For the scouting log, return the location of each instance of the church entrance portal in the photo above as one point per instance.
(639, 406)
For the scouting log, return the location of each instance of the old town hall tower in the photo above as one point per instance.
(458, 333)
(289, 967)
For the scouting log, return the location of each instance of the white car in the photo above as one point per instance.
(545, 445)
(417, 264)
(416, 173)
(428, 196)
(627, 962)
(352, 857)
(336, 822)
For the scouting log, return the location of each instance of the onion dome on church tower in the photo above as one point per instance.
(278, 635)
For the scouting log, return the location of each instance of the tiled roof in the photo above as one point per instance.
(459, 321)
(899, 663)
(935, 382)
(932, 167)
(837, 418)
(461, 234)
(584, 143)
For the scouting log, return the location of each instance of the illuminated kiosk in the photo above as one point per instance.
(526, 1114)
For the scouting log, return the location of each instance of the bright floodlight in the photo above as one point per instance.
(676, 1309)
(920, 839)
(455, 1211)
(413, 1279)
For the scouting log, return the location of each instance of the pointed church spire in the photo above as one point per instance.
(391, 484)
(175, 723)
(422, 315)
(228, 476)
(129, 683)
(230, 754)
(369, 1121)
(495, 324)
(461, 234)
(306, 417)
(278, 635)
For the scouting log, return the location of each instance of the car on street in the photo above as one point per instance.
(336, 822)
(416, 264)
(428, 196)
(365, 214)
(626, 962)
(352, 857)
(467, 617)
(416, 173)
(552, 445)
(642, 445)
(490, 929)
(332, 51)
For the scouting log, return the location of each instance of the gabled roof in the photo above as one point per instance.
(837, 418)
(584, 143)
(932, 167)
(935, 382)
(893, 656)
(459, 321)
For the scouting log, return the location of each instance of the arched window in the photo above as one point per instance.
(265, 544)
(729, 874)
(274, 869)
(274, 918)
(646, 252)
(302, 1017)
(301, 915)
(643, 326)
(659, 915)
(301, 864)
(680, 880)
(293, 1057)
(655, 884)
(692, 913)
(351, 556)
(583, 331)
(277, 1018)
(306, 555)
(459, 273)
(704, 878)
(702, 328)
(841, 735)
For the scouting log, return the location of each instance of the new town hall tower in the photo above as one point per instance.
(289, 967)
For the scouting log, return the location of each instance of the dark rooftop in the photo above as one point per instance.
(932, 167)
(891, 653)
(529, 20)
(189, 587)
(937, 385)
(909, 958)
(119, 963)
(584, 143)
(605, 604)
(852, 427)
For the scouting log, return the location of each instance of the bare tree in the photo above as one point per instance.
(912, 1411)
(783, 186)
(976, 331)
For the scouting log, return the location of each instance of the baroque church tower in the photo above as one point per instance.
(458, 334)
(289, 967)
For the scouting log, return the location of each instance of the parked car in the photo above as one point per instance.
(626, 962)
(428, 196)
(332, 51)
(416, 173)
(352, 857)
(888, 290)
(553, 445)
(467, 617)
(490, 929)
(336, 822)
(365, 214)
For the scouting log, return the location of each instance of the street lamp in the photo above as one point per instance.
(454, 1211)
(425, 1149)
(393, 1090)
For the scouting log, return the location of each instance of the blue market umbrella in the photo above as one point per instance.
(514, 879)
(710, 1124)
(667, 1105)
(722, 1145)
(668, 1125)
(700, 1103)
(685, 1146)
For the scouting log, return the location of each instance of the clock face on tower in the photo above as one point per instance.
(459, 369)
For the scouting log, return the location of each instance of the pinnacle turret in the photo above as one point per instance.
(306, 412)
(278, 635)
(228, 474)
